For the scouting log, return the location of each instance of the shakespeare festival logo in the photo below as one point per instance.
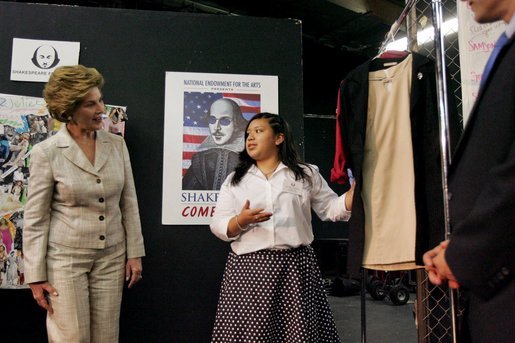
(34, 60)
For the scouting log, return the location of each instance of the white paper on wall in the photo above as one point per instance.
(476, 42)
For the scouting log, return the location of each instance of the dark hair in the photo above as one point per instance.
(287, 152)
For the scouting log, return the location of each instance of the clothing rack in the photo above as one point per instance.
(444, 138)
(389, 37)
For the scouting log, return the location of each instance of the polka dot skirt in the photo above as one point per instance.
(273, 296)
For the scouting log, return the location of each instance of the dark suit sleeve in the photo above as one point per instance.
(481, 253)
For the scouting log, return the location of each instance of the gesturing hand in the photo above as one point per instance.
(252, 215)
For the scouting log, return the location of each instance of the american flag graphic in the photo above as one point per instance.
(196, 112)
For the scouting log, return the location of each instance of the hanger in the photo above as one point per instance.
(393, 54)
(388, 58)
(390, 35)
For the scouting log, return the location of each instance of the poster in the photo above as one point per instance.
(205, 120)
(24, 122)
(476, 42)
(34, 60)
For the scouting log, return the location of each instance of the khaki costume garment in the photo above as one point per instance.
(388, 174)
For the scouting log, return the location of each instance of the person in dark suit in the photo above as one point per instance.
(479, 258)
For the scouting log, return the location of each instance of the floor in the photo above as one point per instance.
(385, 323)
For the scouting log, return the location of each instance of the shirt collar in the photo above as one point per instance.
(510, 29)
(254, 169)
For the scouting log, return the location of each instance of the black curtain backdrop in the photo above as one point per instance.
(176, 301)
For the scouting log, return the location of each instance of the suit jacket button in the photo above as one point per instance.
(101, 218)
(98, 180)
(102, 237)
(101, 200)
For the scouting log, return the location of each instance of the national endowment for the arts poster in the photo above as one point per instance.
(205, 119)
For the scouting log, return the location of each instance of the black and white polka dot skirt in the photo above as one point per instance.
(273, 296)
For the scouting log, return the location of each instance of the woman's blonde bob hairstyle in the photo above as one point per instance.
(67, 87)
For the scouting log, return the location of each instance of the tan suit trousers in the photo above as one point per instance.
(90, 285)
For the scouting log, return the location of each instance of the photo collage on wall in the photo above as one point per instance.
(24, 122)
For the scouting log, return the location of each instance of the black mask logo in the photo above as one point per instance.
(45, 57)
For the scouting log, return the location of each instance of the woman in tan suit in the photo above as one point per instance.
(82, 232)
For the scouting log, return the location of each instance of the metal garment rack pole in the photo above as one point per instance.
(441, 79)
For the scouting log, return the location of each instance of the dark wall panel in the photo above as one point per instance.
(319, 149)
(176, 301)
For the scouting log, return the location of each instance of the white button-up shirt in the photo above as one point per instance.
(288, 199)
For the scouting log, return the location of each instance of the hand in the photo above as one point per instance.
(443, 268)
(41, 291)
(252, 215)
(436, 265)
(428, 258)
(350, 196)
(133, 271)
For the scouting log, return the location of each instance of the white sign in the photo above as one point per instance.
(34, 60)
(476, 42)
(205, 120)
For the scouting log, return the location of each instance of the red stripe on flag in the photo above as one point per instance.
(187, 155)
(249, 109)
(193, 139)
(251, 97)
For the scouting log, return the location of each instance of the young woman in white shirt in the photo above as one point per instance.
(272, 289)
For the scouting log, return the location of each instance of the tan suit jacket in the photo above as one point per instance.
(76, 204)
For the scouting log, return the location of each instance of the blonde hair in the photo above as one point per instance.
(67, 87)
